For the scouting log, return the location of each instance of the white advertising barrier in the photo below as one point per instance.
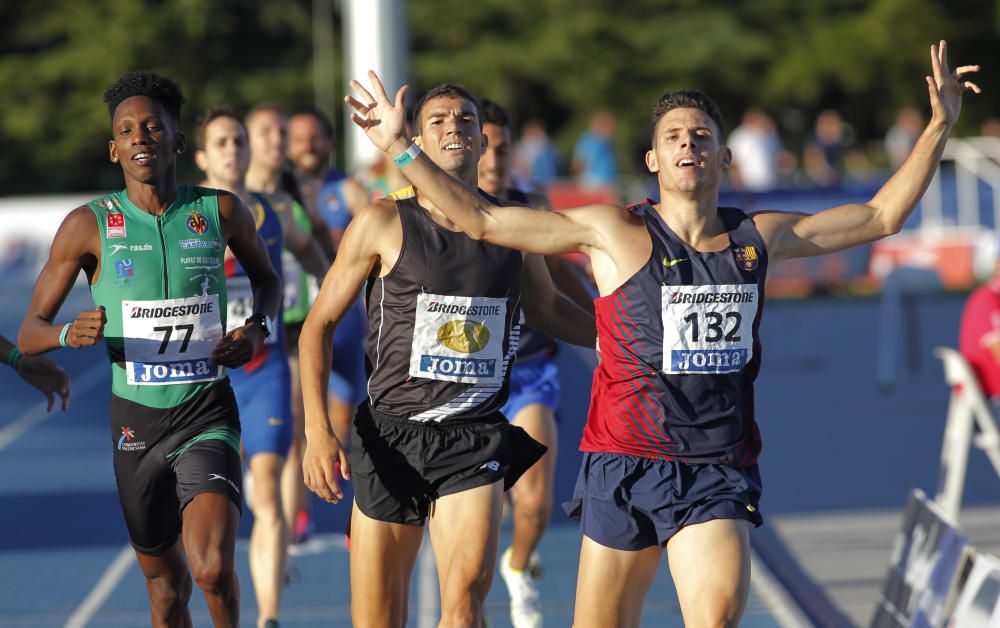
(27, 226)
(979, 602)
(923, 569)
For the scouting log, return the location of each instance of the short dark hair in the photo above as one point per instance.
(449, 90)
(159, 88)
(687, 99)
(493, 113)
(324, 122)
(211, 114)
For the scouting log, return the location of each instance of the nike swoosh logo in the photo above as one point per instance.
(670, 263)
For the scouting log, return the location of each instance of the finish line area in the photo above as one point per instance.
(835, 447)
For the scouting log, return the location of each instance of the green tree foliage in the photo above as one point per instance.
(558, 60)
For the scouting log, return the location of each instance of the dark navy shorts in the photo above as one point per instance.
(531, 382)
(629, 503)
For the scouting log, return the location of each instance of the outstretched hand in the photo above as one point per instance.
(383, 121)
(946, 87)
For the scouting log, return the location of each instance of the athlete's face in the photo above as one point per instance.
(308, 144)
(494, 165)
(266, 130)
(450, 134)
(687, 153)
(145, 139)
(226, 155)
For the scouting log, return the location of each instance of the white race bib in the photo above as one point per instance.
(708, 329)
(459, 339)
(169, 341)
(239, 305)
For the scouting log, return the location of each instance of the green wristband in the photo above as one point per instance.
(406, 156)
(62, 335)
(13, 358)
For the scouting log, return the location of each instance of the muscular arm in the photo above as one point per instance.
(76, 247)
(795, 235)
(360, 251)
(549, 310)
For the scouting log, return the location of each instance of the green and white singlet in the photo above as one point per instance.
(163, 287)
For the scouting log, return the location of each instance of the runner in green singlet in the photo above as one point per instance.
(153, 255)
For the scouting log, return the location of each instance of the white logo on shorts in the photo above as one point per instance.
(216, 476)
(492, 465)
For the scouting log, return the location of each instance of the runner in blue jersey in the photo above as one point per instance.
(152, 255)
(262, 387)
(267, 130)
(671, 441)
(337, 197)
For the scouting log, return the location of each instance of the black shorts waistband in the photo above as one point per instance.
(478, 422)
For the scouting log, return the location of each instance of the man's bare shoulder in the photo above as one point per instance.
(380, 213)
(603, 215)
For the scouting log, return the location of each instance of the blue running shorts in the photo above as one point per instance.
(629, 503)
(265, 400)
(533, 381)
(348, 381)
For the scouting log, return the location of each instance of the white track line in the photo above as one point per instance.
(775, 597)
(103, 589)
(38, 413)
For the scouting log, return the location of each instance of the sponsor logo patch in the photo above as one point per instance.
(464, 336)
(116, 225)
(195, 243)
(197, 223)
(746, 257)
(127, 441)
(125, 268)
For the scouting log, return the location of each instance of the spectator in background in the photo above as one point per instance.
(824, 153)
(979, 336)
(903, 134)
(594, 153)
(535, 157)
(756, 150)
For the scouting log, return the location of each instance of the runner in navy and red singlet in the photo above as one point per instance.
(671, 442)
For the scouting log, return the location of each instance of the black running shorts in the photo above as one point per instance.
(399, 466)
(163, 458)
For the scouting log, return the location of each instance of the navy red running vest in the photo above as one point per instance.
(679, 350)
(442, 324)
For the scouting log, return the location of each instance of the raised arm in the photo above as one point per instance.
(794, 235)
(517, 227)
(359, 252)
(75, 247)
(238, 346)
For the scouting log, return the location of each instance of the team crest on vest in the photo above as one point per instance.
(196, 223)
(746, 257)
(116, 224)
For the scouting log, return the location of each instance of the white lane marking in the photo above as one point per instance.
(38, 413)
(103, 589)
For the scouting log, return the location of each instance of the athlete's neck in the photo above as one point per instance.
(694, 218)
(261, 178)
(152, 198)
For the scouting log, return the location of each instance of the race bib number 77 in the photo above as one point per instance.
(169, 341)
(708, 329)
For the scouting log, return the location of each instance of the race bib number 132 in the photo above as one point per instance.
(708, 329)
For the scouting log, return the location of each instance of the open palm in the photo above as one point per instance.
(946, 87)
(382, 120)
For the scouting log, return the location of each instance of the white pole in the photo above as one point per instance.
(375, 38)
